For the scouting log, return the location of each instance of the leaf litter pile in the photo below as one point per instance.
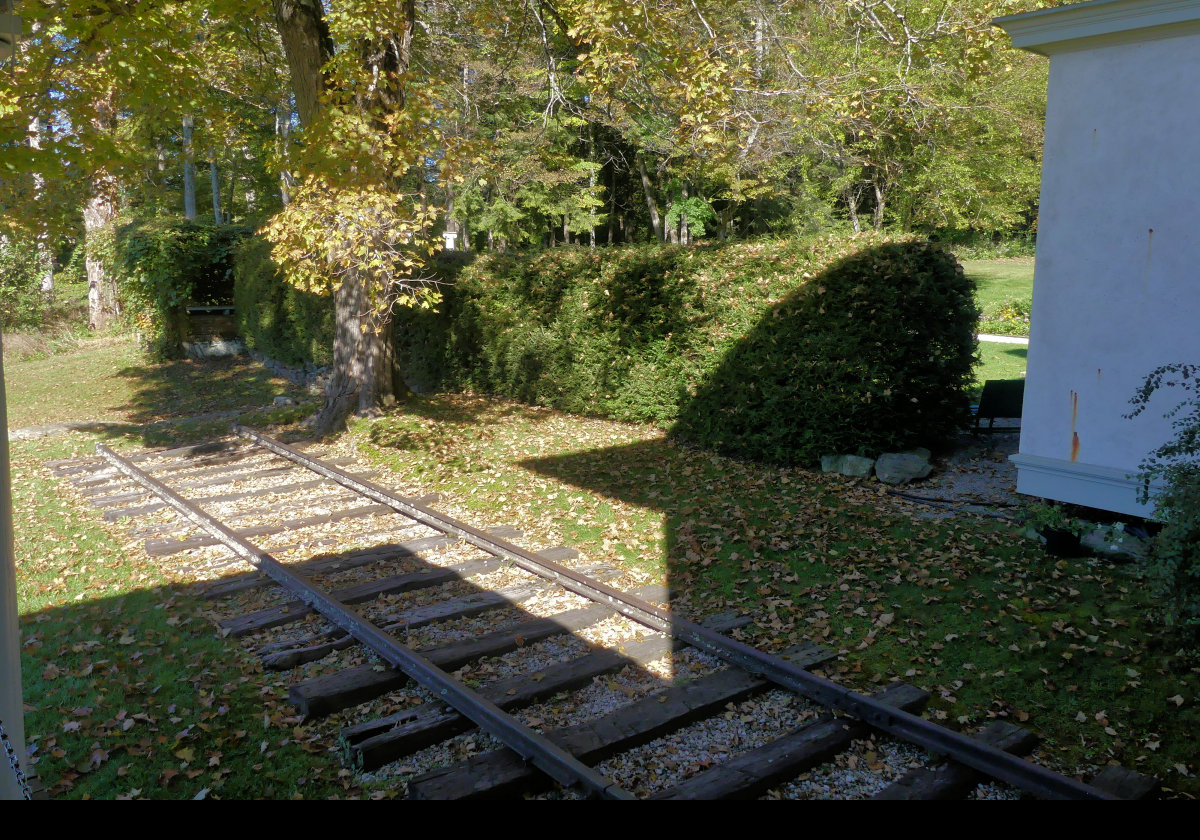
(131, 690)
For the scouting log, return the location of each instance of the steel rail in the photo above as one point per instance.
(988, 760)
(533, 747)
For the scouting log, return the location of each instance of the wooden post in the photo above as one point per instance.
(12, 705)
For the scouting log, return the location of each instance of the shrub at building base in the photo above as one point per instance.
(874, 353)
(1171, 474)
(1172, 568)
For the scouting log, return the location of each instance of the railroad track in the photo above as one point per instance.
(572, 682)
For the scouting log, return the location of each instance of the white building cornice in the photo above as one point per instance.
(1100, 23)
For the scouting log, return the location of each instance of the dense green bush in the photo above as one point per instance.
(875, 353)
(164, 265)
(625, 333)
(276, 318)
(21, 297)
(1171, 476)
(1172, 567)
(729, 339)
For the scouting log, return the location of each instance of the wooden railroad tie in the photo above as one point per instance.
(570, 753)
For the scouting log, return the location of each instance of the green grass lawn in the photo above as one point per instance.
(1000, 279)
(1004, 294)
(131, 692)
(965, 607)
(80, 385)
(108, 379)
(1001, 361)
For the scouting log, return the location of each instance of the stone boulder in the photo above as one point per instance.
(853, 466)
(903, 467)
(1114, 544)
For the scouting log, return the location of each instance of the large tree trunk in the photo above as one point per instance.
(99, 210)
(363, 380)
(307, 46)
(363, 377)
(102, 289)
(651, 203)
(189, 172)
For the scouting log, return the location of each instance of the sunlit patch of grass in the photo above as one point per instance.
(1000, 361)
(1000, 279)
(79, 385)
(108, 379)
(129, 690)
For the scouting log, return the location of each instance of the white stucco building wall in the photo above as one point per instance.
(1117, 280)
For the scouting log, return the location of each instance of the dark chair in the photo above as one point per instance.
(1001, 398)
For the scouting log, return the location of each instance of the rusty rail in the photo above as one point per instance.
(988, 760)
(530, 745)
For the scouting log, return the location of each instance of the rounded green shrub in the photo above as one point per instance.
(1172, 568)
(874, 353)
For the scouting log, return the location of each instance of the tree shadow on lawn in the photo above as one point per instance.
(467, 410)
(727, 524)
(803, 552)
(190, 387)
(135, 695)
(139, 694)
(962, 608)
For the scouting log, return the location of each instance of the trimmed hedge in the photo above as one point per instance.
(277, 319)
(874, 354)
(616, 332)
(660, 334)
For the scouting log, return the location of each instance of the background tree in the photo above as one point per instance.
(111, 82)
(364, 129)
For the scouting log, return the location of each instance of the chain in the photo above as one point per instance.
(26, 793)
